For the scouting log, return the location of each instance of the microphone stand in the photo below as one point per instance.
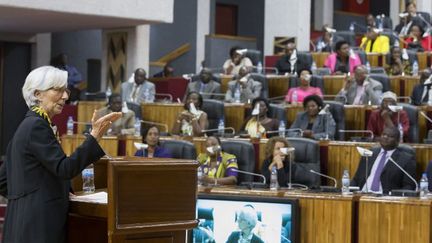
(407, 174)
(290, 184)
(252, 184)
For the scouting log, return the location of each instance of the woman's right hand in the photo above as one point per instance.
(101, 125)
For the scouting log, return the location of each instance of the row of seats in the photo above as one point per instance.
(307, 152)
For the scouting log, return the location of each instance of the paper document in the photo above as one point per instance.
(99, 197)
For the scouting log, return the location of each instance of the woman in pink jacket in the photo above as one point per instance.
(343, 60)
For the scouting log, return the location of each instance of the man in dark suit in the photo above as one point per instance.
(205, 86)
(383, 175)
(422, 91)
(290, 62)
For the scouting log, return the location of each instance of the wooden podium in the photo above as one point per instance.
(149, 200)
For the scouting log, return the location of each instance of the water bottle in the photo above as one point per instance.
(137, 127)
(345, 182)
(69, 126)
(368, 67)
(88, 179)
(199, 176)
(259, 67)
(294, 97)
(282, 129)
(237, 95)
(351, 27)
(380, 24)
(221, 127)
(274, 185)
(108, 93)
(396, 43)
(313, 67)
(424, 186)
(401, 132)
(415, 68)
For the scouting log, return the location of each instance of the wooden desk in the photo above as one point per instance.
(161, 113)
(85, 112)
(385, 219)
(375, 59)
(278, 85)
(323, 217)
(70, 142)
(235, 115)
(423, 60)
(403, 85)
(224, 82)
(333, 84)
(139, 206)
(319, 58)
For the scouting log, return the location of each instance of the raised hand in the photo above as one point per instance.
(101, 125)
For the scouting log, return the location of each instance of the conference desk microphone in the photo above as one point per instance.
(326, 188)
(252, 184)
(404, 192)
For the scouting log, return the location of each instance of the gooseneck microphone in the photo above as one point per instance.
(326, 176)
(251, 173)
(405, 172)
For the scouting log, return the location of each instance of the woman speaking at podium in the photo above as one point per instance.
(35, 176)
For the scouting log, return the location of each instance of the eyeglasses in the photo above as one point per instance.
(61, 90)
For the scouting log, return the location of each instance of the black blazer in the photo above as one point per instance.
(35, 177)
(416, 95)
(391, 177)
(300, 174)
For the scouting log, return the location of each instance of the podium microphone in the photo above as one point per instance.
(425, 116)
(252, 184)
(326, 176)
(287, 130)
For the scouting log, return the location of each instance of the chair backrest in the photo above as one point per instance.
(338, 113)
(245, 154)
(135, 108)
(390, 35)
(316, 81)
(348, 36)
(323, 71)
(254, 56)
(378, 70)
(383, 79)
(305, 57)
(215, 112)
(425, 15)
(307, 154)
(278, 112)
(180, 149)
(264, 83)
(98, 96)
(362, 56)
(413, 132)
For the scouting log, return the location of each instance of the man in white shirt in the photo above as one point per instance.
(382, 175)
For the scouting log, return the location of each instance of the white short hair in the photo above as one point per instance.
(248, 214)
(43, 78)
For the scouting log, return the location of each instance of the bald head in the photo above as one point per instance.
(140, 76)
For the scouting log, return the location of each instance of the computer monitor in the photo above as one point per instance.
(226, 218)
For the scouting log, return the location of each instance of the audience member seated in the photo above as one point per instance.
(326, 42)
(140, 91)
(205, 86)
(217, 166)
(417, 41)
(370, 21)
(74, 76)
(361, 89)
(299, 93)
(342, 61)
(259, 121)
(274, 157)
(150, 137)
(247, 219)
(410, 18)
(385, 117)
(236, 61)
(290, 63)
(382, 175)
(397, 65)
(248, 88)
(168, 71)
(192, 120)
(124, 125)
(422, 92)
(311, 123)
(373, 42)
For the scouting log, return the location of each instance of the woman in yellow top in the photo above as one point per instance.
(374, 42)
(216, 165)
